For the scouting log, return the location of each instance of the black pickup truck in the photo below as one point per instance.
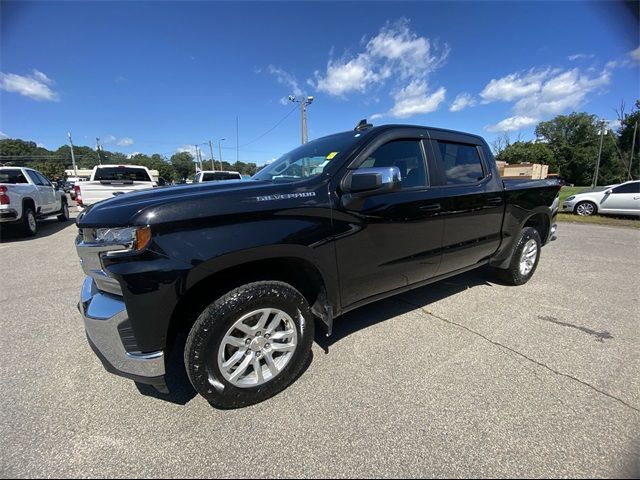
(246, 268)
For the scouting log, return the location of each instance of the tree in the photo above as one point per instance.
(51, 170)
(183, 165)
(574, 141)
(625, 135)
(532, 152)
(502, 142)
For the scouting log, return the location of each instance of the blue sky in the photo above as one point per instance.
(160, 77)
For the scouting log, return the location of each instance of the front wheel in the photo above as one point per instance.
(250, 344)
(586, 209)
(525, 258)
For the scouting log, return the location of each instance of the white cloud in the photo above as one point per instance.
(41, 145)
(462, 101)
(614, 124)
(540, 94)
(35, 86)
(131, 155)
(512, 124)
(394, 53)
(3, 135)
(109, 139)
(414, 99)
(580, 56)
(635, 54)
(348, 76)
(190, 149)
(125, 142)
(513, 86)
(376, 116)
(285, 78)
(565, 91)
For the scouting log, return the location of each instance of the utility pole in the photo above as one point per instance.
(220, 151)
(73, 157)
(213, 165)
(633, 146)
(595, 177)
(304, 103)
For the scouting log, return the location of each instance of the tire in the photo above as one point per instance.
(260, 304)
(29, 224)
(64, 213)
(586, 208)
(520, 270)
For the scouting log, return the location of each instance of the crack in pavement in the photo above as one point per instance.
(540, 364)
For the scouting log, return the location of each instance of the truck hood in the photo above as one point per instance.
(193, 202)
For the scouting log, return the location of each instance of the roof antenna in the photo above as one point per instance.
(363, 125)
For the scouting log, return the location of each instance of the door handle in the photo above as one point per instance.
(636, 198)
(433, 207)
(494, 201)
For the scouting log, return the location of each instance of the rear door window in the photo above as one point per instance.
(461, 163)
(34, 177)
(43, 180)
(122, 174)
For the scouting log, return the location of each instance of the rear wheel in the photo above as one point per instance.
(64, 213)
(29, 225)
(250, 344)
(586, 208)
(525, 258)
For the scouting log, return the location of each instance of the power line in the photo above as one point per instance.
(272, 128)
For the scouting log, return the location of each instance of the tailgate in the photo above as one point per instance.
(93, 192)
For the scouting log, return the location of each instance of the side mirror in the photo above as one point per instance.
(608, 192)
(370, 181)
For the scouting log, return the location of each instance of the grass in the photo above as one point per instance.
(629, 222)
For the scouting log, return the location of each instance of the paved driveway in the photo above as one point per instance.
(463, 378)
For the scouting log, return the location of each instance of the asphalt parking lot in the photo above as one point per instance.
(464, 378)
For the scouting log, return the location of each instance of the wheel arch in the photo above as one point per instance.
(299, 272)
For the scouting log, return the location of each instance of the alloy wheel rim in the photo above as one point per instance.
(528, 257)
(257, 347)
(585, 209)
(32, 221)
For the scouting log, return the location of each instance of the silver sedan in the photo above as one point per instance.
(622, 199)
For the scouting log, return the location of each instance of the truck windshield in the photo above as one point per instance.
(12, 176)
(122, 174)
(220, 176)
(310, 159)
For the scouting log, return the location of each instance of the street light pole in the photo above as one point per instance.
(213, 166)
(73, 157)
(220, 151)
(304, 103)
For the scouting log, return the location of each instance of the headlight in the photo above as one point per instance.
(130, 238)
(568, 199)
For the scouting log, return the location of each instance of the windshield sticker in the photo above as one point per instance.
(285, 196)
(331, 155)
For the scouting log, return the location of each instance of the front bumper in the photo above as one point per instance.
(102, 314)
